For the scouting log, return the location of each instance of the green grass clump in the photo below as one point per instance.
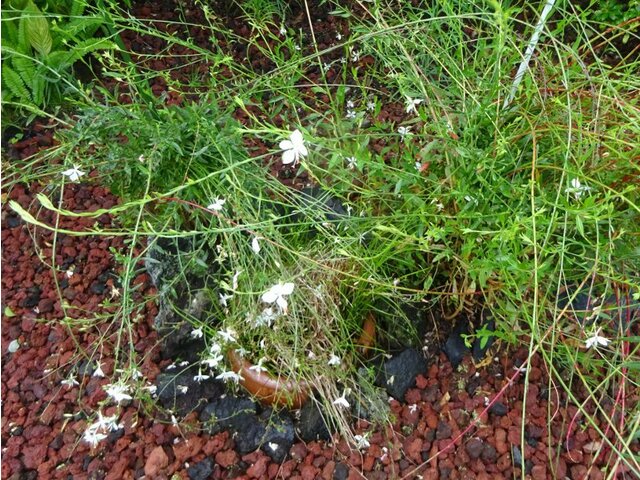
(476, 191)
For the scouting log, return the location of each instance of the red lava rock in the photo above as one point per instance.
(579, 472)
(298, 452)
(504, 462)
(539, 472)
(327, 471)
(259, 468)
(187, 449)
(156, 462)
(413, 449)
(308, 472)
(32, 455)
(227, 458)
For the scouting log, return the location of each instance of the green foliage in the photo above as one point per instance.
(39, 49)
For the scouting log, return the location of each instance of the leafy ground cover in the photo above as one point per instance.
(431, 173)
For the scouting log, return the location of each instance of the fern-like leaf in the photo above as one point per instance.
(26, 67)
(15, 84)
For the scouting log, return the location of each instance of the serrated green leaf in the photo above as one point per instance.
(37, 30)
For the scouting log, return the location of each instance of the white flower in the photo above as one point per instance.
(277, 293)
(213, 361)
(342, 401)
(258, 366)
(223, 297)
(338, 36)
(152, 389)
(108, 423)
(234, 280)
(171, 367)
(200, 377)
(93, 437)
(293, 148)
(118, 392)
(217, 204)
(183, 363)
(361, 441)
(69, 273)
(577, 188)
(404, 131)
(228, 334)
(273, 446)
(413, 408)
(196, 333)
(412, 103)
(265, 318)
(255, 245)
(98, 372)
(182, 388)
(351, 114)
(355, 56)
(597, 340)
(371, 106)
(74, 173)
(70, 382)
(283, 31)
(229, 376)
(418, 166)
(350, 104)
(334, 360)
(352, 163)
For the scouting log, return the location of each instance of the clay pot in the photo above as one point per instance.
(275, 391)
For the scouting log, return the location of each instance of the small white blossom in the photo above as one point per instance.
(351, 114)
(352, 163)
(141, 158)
(350, 104)
(69, 273)
(577, 188)
(200, 377)
(197, 333)
(596, 340)
(171, 366)
(361, 441)
(69, 382)
(223, 299)
(118, 392)
(213, 361)
(234, 280)
(152, 389)
(182, 388)
(98, 372)
(277, 293)
(255, 245)
(229, 376)
(258, 366)
(338, 36)
(418, 166)
(74, 173)
(334, 360)
(273, 446)
(283, 31)
(413, 408)
(217, 205)
(93, 437)
(404, 131)
(371, 106)
(293, 148)
(355, 56)
(228, 334)
(412, 103)
(183, 363)
(342, 401)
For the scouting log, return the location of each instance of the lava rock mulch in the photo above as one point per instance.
(428, 432)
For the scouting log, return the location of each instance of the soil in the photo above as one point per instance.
(472, 422)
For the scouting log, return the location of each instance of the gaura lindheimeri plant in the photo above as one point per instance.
(217, 205)
(293, 148)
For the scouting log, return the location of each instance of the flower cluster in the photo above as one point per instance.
(98, 431)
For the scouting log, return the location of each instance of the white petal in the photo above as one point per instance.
(302, 150)
(286, 145)
(270, 296)
(255, 245)
(282, 303)
(287, 288)
(296, 138)
(289, 156)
